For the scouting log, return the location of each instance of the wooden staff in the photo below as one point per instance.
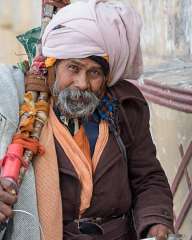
(41, 116)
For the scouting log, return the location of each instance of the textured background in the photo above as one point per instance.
(167, 27)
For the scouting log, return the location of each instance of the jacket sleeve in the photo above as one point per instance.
(152, 198)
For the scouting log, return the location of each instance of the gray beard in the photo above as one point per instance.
(75, 103)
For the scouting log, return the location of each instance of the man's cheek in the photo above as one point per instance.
(64, 82)
(95, 88)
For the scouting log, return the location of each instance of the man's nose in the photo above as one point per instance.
(81, 81)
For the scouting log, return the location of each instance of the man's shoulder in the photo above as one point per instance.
(134, 109)
(125, 90)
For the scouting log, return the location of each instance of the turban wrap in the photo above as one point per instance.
(100, 28)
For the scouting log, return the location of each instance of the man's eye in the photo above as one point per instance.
(73, 68)
(95, 73)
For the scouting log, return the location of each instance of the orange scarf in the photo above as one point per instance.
(47, 175)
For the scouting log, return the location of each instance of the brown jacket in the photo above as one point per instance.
(119, 186)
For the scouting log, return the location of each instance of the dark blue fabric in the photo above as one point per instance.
(92, 132)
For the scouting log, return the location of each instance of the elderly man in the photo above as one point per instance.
(99, 177)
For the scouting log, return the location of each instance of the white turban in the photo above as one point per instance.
(99, 28)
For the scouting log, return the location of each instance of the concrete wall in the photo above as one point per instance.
(20, 14)
(167, 25)
(16, 17)
(167, 29)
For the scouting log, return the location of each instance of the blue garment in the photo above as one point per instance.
(92, 132)
(105, 111)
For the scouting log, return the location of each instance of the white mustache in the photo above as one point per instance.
(75, 103)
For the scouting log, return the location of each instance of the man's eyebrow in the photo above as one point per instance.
(78, 62)
(96, 67)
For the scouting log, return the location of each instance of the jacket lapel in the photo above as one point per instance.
(108, 158)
